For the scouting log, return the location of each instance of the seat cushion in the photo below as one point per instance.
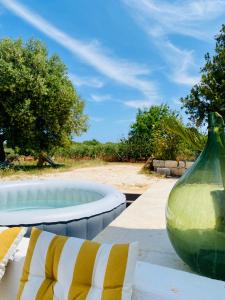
(154, 282)
(64, 268)
(10, 281)
(9, 240)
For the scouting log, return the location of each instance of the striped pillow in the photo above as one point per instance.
(9, 240)
(63, 268)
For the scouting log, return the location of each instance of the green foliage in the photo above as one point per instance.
(93, 142)
(108, 152)
(191, 136)
(39, 107)
(150, 136)
(149, 119)
(209, 94)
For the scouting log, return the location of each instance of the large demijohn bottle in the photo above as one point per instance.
(196, 207)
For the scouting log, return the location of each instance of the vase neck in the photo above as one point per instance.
(215, 122)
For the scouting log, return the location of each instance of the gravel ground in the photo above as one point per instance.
(124, 176)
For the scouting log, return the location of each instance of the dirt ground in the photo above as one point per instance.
(124, 176)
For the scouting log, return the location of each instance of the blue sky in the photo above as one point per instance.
(121, 54)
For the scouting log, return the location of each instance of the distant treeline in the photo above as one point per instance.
(107, 152)
(153, 134)
(124, 151)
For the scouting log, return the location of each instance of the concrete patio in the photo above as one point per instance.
(163, 278)
(144, 221)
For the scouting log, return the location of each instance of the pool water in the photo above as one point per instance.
(49, 200)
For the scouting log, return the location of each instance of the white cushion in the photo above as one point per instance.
(10, 282)
(9, 240)
(151, 282)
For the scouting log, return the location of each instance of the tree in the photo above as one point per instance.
(190, 135)
(39, 107)
(92, 142)
(209, 94)
(150, 136)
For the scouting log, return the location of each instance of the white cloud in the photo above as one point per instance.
(186, 17)
(122, 71)
(100, 98)
(181, 62)
(161, 18)
(86, 81)
(138, 103)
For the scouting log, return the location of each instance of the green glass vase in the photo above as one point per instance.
(195, 210)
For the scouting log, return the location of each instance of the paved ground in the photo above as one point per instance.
(144, 221)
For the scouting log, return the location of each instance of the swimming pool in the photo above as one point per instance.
(72, 208)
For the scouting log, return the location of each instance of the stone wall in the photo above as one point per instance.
(171, 167)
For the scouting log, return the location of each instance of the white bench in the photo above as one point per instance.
(152, 282)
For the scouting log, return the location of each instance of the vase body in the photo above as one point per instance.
(195, 210)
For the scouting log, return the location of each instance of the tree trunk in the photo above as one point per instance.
(149, 164)
(2, 150)
(42, 158)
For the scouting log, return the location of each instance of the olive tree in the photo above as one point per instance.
(40, 109)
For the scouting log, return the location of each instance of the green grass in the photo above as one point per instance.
(64, 164)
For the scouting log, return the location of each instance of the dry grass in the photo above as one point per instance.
(150, 173)
(31, 168)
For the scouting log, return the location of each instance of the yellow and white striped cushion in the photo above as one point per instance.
(9, 240)
(63, 268)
